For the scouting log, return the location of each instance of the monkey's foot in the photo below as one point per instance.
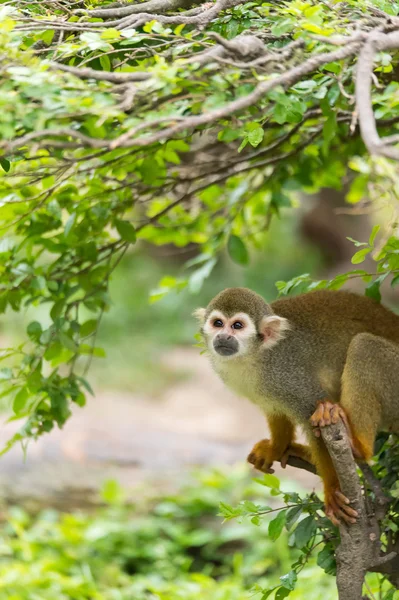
(262, 456)
(337, 508)
(328, 413)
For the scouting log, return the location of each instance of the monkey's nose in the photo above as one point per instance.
(225, 337)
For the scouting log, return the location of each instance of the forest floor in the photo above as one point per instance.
(135, 439)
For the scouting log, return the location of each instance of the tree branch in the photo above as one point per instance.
(376, 41)
(88, 73)
(158, 7)
(353, 553)
(359, 550)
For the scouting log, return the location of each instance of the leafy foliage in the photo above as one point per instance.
(168, 547)
(174, 546)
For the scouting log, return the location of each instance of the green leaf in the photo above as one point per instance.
(20, 400)
(105, 62)
(360, 256)
(255, 136)
(282, 593)
(293, 515)
(373, 289)
(390, 595)
(69, 224)
(289, 580)
(59, 407)
(5, 374)
(68, 342)
(326, 560)
(374, 232)
(34, 381)
(80, 399)
(5, 164)
(57, 309)
(237, 250)
(228, 512)
(197, 278)
(329, 131)
(112, 492)
(126, 231)
(304, 531)
(395, 280)
(269, 480)
(86, 384)
(358, 189)
(99, 352)
(88, 328)
(276, 525)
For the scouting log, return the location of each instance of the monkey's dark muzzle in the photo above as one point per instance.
(225, 345)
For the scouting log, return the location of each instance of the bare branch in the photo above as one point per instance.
(113, 77)
(201, 19)
(158, 7)
(376, 41)
(299, 463)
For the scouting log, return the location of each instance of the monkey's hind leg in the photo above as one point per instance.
(337, 506)
(370, 388)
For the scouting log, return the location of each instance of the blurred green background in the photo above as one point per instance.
(136, 332)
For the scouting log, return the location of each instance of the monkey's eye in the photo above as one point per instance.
(237, 325)
(218, 323)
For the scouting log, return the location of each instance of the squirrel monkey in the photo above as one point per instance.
(309, 360)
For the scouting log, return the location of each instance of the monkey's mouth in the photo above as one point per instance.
(225, 349)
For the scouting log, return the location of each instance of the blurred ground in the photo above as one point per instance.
(132, 438)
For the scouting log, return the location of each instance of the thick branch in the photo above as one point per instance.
(353, 553)
(201, 19)
(88, 73)
(360, 549)
(158, 7)
(376, 41)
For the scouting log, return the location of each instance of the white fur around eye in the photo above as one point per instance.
(215, 314)
(249, 329)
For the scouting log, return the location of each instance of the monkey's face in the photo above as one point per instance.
(229, 336)
(238, 322)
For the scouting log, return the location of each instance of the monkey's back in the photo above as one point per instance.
(322, 326)
(338, 313)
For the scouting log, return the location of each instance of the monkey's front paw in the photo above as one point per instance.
(326, 413)
(337, 508)
(261, 456)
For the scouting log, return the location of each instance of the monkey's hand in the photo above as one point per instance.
(263, 455)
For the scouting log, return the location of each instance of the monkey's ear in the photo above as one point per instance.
(199, 314)
(272, 328)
